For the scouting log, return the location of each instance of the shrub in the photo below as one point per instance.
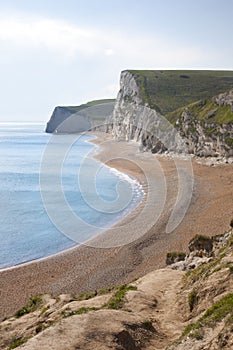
(201, 242)
(173, 257)
(192, 299)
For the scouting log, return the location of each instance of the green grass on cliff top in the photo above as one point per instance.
(167, 90)
(98, 114)
(89, 104)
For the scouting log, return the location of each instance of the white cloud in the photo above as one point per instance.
(109, 52)
(70, 41)
(51, 34)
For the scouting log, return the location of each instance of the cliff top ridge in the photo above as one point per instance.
(168, 90)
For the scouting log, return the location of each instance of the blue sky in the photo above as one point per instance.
(67, 52)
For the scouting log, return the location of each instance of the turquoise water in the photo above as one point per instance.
(27, 232)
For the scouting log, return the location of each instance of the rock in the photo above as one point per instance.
(80, 118)
(134, 119)
(64, 120)
(190, 263)
(202, 244)
(224, 99)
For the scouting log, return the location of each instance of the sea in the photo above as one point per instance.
(47, 179)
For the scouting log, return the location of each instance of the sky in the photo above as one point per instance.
(68, 52)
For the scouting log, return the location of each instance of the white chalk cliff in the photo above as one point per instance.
(133, 119)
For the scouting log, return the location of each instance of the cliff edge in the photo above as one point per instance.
(80, 118)
(177, 111)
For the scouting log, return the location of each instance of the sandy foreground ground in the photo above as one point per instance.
(142, 242)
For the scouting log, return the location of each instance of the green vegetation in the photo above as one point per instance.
(40, 327)
(201, 272)
(198, 334)
(190, 328)
(86, 296)
(97, 110)
(117, 300)
(174, 256)
(206, 111)
(46, 308)
(216, 313)
(32, 305)
(106, 290)
(201, 237)
(192, 299)
(17, 342)
(201, 242)
(89, 104)
(193, 331)
(224, 266)
(229, 140)
(82, 310)
(167, 91)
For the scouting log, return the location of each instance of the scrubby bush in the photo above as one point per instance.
(192, 299)
(173, 257)
(201, 242)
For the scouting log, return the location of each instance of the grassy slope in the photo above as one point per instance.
(89, 104)
(94, 103)
(205, 110)
(168, 91)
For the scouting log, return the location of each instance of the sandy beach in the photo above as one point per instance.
(86, 268)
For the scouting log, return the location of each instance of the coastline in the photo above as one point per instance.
(81, 269)
(123, 170)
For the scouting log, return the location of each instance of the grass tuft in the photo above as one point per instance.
(216, 313)
(17, 342)
(32, 305)
(82, 310)
(192, 299)
(117, 300)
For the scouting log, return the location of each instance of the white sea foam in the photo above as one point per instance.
(135, 184)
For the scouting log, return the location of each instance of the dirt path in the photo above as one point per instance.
(156, 301)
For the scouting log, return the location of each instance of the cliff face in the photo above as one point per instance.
(80, 118)
(134, 120)
(181, 131)
(205, 138)
(62, 121)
